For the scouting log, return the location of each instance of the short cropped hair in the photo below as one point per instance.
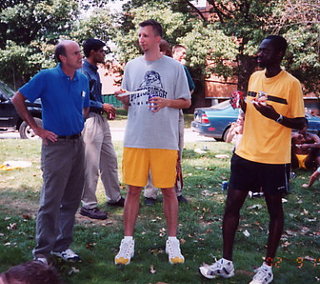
(92, 44)
(60, 50)
(178, 46)
(31, 272)
(155, 25)
(165, 48)
(278, 42)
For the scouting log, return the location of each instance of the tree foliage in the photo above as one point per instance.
(29, 30)
(251, 20)
(223, 40)
(181, 27)
(228, 38)
(299, 22)
(98, 23)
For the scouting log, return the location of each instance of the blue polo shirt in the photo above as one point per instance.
(92, 74)
(62, 99)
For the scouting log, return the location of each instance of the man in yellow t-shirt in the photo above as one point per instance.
(273, 106)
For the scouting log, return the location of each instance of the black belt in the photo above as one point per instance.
(74, 136)
(98, 111)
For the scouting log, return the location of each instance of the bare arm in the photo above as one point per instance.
(86, 112)
(109, 109)
(18, 101)
(159, 103)
(312, 179)
(269, 112)
(243, 105)
(124, 99)
(316, 142)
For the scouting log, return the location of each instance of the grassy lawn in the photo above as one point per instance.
(199, 226)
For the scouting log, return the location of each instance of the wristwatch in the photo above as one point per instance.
(279, 119)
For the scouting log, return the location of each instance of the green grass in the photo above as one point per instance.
(199, 226)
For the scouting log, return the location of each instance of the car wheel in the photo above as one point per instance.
(26, 132)
(225, 134)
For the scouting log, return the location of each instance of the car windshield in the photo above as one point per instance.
(6, 89)
(222, 105)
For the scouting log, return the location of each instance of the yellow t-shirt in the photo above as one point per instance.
(264, 140)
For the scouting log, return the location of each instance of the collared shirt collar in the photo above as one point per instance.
(93, 67)
(60, 71)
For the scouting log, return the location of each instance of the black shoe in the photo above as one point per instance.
(182, 199)
(149, 201)
(119, 203)
(93, 213)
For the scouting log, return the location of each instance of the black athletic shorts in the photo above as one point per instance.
(247, 175)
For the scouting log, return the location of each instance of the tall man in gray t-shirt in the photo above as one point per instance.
(152, 134)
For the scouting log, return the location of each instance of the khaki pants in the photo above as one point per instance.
(100, 159)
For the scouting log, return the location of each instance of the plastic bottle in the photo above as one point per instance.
(224, 185)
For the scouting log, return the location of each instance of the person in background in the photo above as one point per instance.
(152, 135)
(262, 157)
(305, 152)
(178, 52)
(64, 94)
(100, 157)
(165, 48)
(315, 175)
(31, 272)
(315, 148)
(236, 130)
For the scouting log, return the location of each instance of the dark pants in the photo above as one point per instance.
(62, 164)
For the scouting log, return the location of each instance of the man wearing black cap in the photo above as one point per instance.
(100, 156)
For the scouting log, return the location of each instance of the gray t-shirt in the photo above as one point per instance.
(164, 78)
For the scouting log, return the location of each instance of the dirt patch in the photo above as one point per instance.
(22, 208)
(88, 222)
(18, 207)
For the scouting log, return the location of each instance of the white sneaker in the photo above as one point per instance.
(126, 251)
(222, 267)
(174, 252)
(263, 275)
(67, 255)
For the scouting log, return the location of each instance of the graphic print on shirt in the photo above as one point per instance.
(152, 83)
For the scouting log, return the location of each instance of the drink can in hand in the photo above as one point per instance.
(152, 106)
(111, 116)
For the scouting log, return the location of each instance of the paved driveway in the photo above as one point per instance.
(118, 135)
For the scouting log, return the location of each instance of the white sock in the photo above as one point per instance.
(128, 238)
(172, 238)
(226, 260)
(266, 265)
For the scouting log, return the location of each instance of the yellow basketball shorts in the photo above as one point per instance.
(301, 159)
(161, 163)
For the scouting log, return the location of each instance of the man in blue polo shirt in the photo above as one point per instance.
(64, 93)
